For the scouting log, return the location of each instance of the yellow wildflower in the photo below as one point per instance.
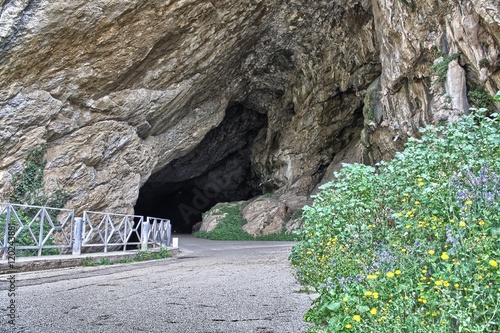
(356, 318)
(431, 252)
(390, 274)
(373, 311)
(493, 263)
(445, 256)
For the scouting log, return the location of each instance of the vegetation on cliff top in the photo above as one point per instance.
(411, 245)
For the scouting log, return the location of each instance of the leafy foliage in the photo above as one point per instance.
(480, 98)
(412, 245)
(441, 68)
(497, 96)
(28, 185)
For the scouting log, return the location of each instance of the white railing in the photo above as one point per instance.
(36, 231)
(106, 230)
(159, 232)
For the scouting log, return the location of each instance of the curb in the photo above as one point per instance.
(29, 264)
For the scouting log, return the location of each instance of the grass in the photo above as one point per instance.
(139, 256)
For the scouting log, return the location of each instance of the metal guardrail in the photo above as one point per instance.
(36, 229)
(105, 230)
(40, 231)
(159, 232)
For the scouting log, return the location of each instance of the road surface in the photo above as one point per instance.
(211, 287)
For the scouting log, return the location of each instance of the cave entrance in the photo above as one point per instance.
(219, 169)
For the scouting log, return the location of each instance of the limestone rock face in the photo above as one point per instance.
(264, 217)
(269, 215)
(411, 35)
(133, 98)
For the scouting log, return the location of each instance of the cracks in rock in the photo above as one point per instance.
(19, 23)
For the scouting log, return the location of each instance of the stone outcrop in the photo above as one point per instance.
(194, 102)
(267, 215)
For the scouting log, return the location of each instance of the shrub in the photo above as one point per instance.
(480, 98)
(441, 68)
(411, 245)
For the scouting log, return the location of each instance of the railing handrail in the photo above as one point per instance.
(38, 207)
(34, 226)
(148, 230)
(114, 214)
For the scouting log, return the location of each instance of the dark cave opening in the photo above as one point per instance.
(218, 169)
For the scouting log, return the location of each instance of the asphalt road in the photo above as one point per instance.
(211, 287)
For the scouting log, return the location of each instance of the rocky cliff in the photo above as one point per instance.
(171, 106)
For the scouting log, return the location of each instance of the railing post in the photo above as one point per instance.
(145, 235)
(6, 236)
(40, 235)
(169, 233)
(77, 236)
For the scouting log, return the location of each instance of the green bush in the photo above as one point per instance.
(25, 238)
(441, 68)
(480, 98)
(411, 245)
